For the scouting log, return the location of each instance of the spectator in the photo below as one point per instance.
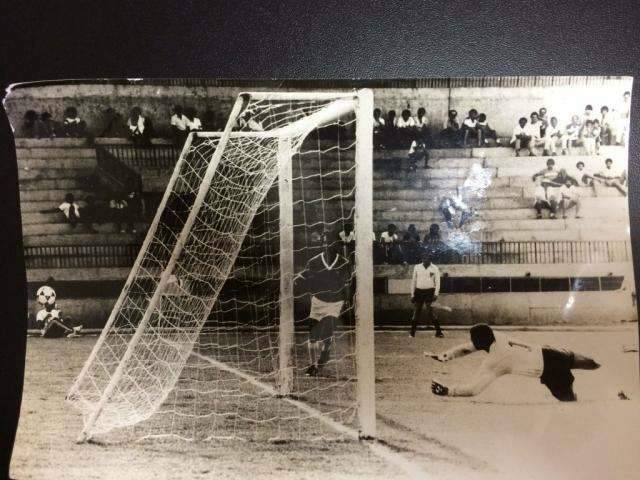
(118, 206)
(553, 135)
(585, 177)
(597, 133)
(391, 131)
(91, 214)
(569, 195)
(72, 126)
(47, 127)
(450, 135)
(411, 245)
(547, 174)
(451, 206)
(520, 138)
(134, 209)
(533, 131)
(390, 246)
(54, 325)
(622, 119)
(606, 126)
(248, 121)
(544, 199)
(113, 124)
(470, 127)
(417, 152)
(30, 124)
(588, 115)
(544, 121)
(422, 126)
(210, 121)
(405, 120)
(406, 126)
(589, 138)
(485, 132)
(613, 177)
(193, 122)
(348, 238)
(139, 128)
(562, 178)
(378, 129)
(179, 126)
(69, 208)
(571, 135)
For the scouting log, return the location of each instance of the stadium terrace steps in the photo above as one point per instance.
(62, 142)
(65, 228)
(48, 152)
(30, 175)
(80, 237)
(56, 163)
(54, 197)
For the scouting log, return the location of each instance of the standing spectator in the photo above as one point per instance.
(470, 128)
(485, 132)
(520, 138)
(72, 126)
(606, 126)
(622, 120)
(425, 288)
(179, 126)
(30, 124)
(139, 128)
(613, 177)
(544, 200)
(533, 131)
(390, 246)
(378, 129)
(193, 122)
(422, 125)
(118, 207)
(450, 135)
(411, 245)
(47, 127)
(544, 121)
(571, 135)
(553, 135)
(589, 137)
(569, 198)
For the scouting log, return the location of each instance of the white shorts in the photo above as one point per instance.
(320, 309)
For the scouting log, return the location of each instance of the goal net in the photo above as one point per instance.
(262, 227)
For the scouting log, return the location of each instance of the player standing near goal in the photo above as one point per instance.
(326, 277)
(507, 355)
(425, 288)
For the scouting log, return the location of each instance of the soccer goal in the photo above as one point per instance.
(210, 336)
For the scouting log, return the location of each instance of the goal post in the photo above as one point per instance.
(209, 322)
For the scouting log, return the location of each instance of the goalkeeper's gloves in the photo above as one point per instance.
(439, 389)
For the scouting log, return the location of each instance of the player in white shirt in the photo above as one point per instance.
(613, 177)
(569, 197)
(509, 356)
(425, 288)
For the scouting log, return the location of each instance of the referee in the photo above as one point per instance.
(425, 287)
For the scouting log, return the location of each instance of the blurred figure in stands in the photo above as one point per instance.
(391, 131)
(623, 112)
(378, 129)
(544, 121)
(469, 128)
(46, 127)
(247, 121)
(450, 206)
(588, 115)
(193, 122)
(450, 135)
(348, 239)
(423, 128)
(179, 126)
(72, 125)
(485, 132)
(139, 128)
(411, 245)
(113, 125)
(69, 208)
(118, 206)
(606, 126)
(533, 131)
(569, 198)
(29, 124)
(589, 135)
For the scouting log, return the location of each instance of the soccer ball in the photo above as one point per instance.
(46, 295)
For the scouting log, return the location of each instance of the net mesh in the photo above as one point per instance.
(204, 363)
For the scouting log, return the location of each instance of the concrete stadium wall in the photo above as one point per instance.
(503, 106)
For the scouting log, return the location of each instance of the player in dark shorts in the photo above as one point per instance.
(425, 288)
(508, 355)
(326, 278)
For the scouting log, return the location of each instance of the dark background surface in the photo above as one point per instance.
(312, 39)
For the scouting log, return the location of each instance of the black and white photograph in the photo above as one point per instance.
(358, 279)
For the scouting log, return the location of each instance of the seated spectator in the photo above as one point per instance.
(69, 208)
(433, 244)
(179, 126)
(545, 199)
(46, 127)
(378, 129)
(193, 122)
(411, 245)
(72, 126)
(547, 174)
(562, 178)
(606, 126)
(589, 136)
(571, 135)
(423, 128)
(30, 124)
(391, 131)
(450, 206)
(485, 132)
(588, 115)
(533, 131)
(139, 128)
(520, 138)
(348, 239)
(544, 121)
(569, 196)
(118, 206)
(406, 126)
(585, 177)
(469, 128)
(552, 137)
(417, 152)
(114, 125)
(405, 120)
(613, 177)
(91, 214)
(450, 135)
(390, 246)
(54, 325)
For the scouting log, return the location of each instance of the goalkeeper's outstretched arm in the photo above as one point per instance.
(484, 378)
(455, 352)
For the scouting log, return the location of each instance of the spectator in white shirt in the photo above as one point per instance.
(406, 126)
(544, 121)
(588, 115)
(520, 138)
(552, 136)
(613, 177)
(389, 243)
(485, 132)
(69, 208)
(544, 199)
(425, 288)
(423, 127)
(179, 126)
(470, 128)
(589, 136)
(569, 198)
(532, 129)
(139, 128)
(72, 126)
(450, 134)
(571, 135)
(193, 122)
(623, 112)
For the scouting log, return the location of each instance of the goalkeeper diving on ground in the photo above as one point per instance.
(507, 355)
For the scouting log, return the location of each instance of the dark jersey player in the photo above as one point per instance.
(326, 278)
(508, 355)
